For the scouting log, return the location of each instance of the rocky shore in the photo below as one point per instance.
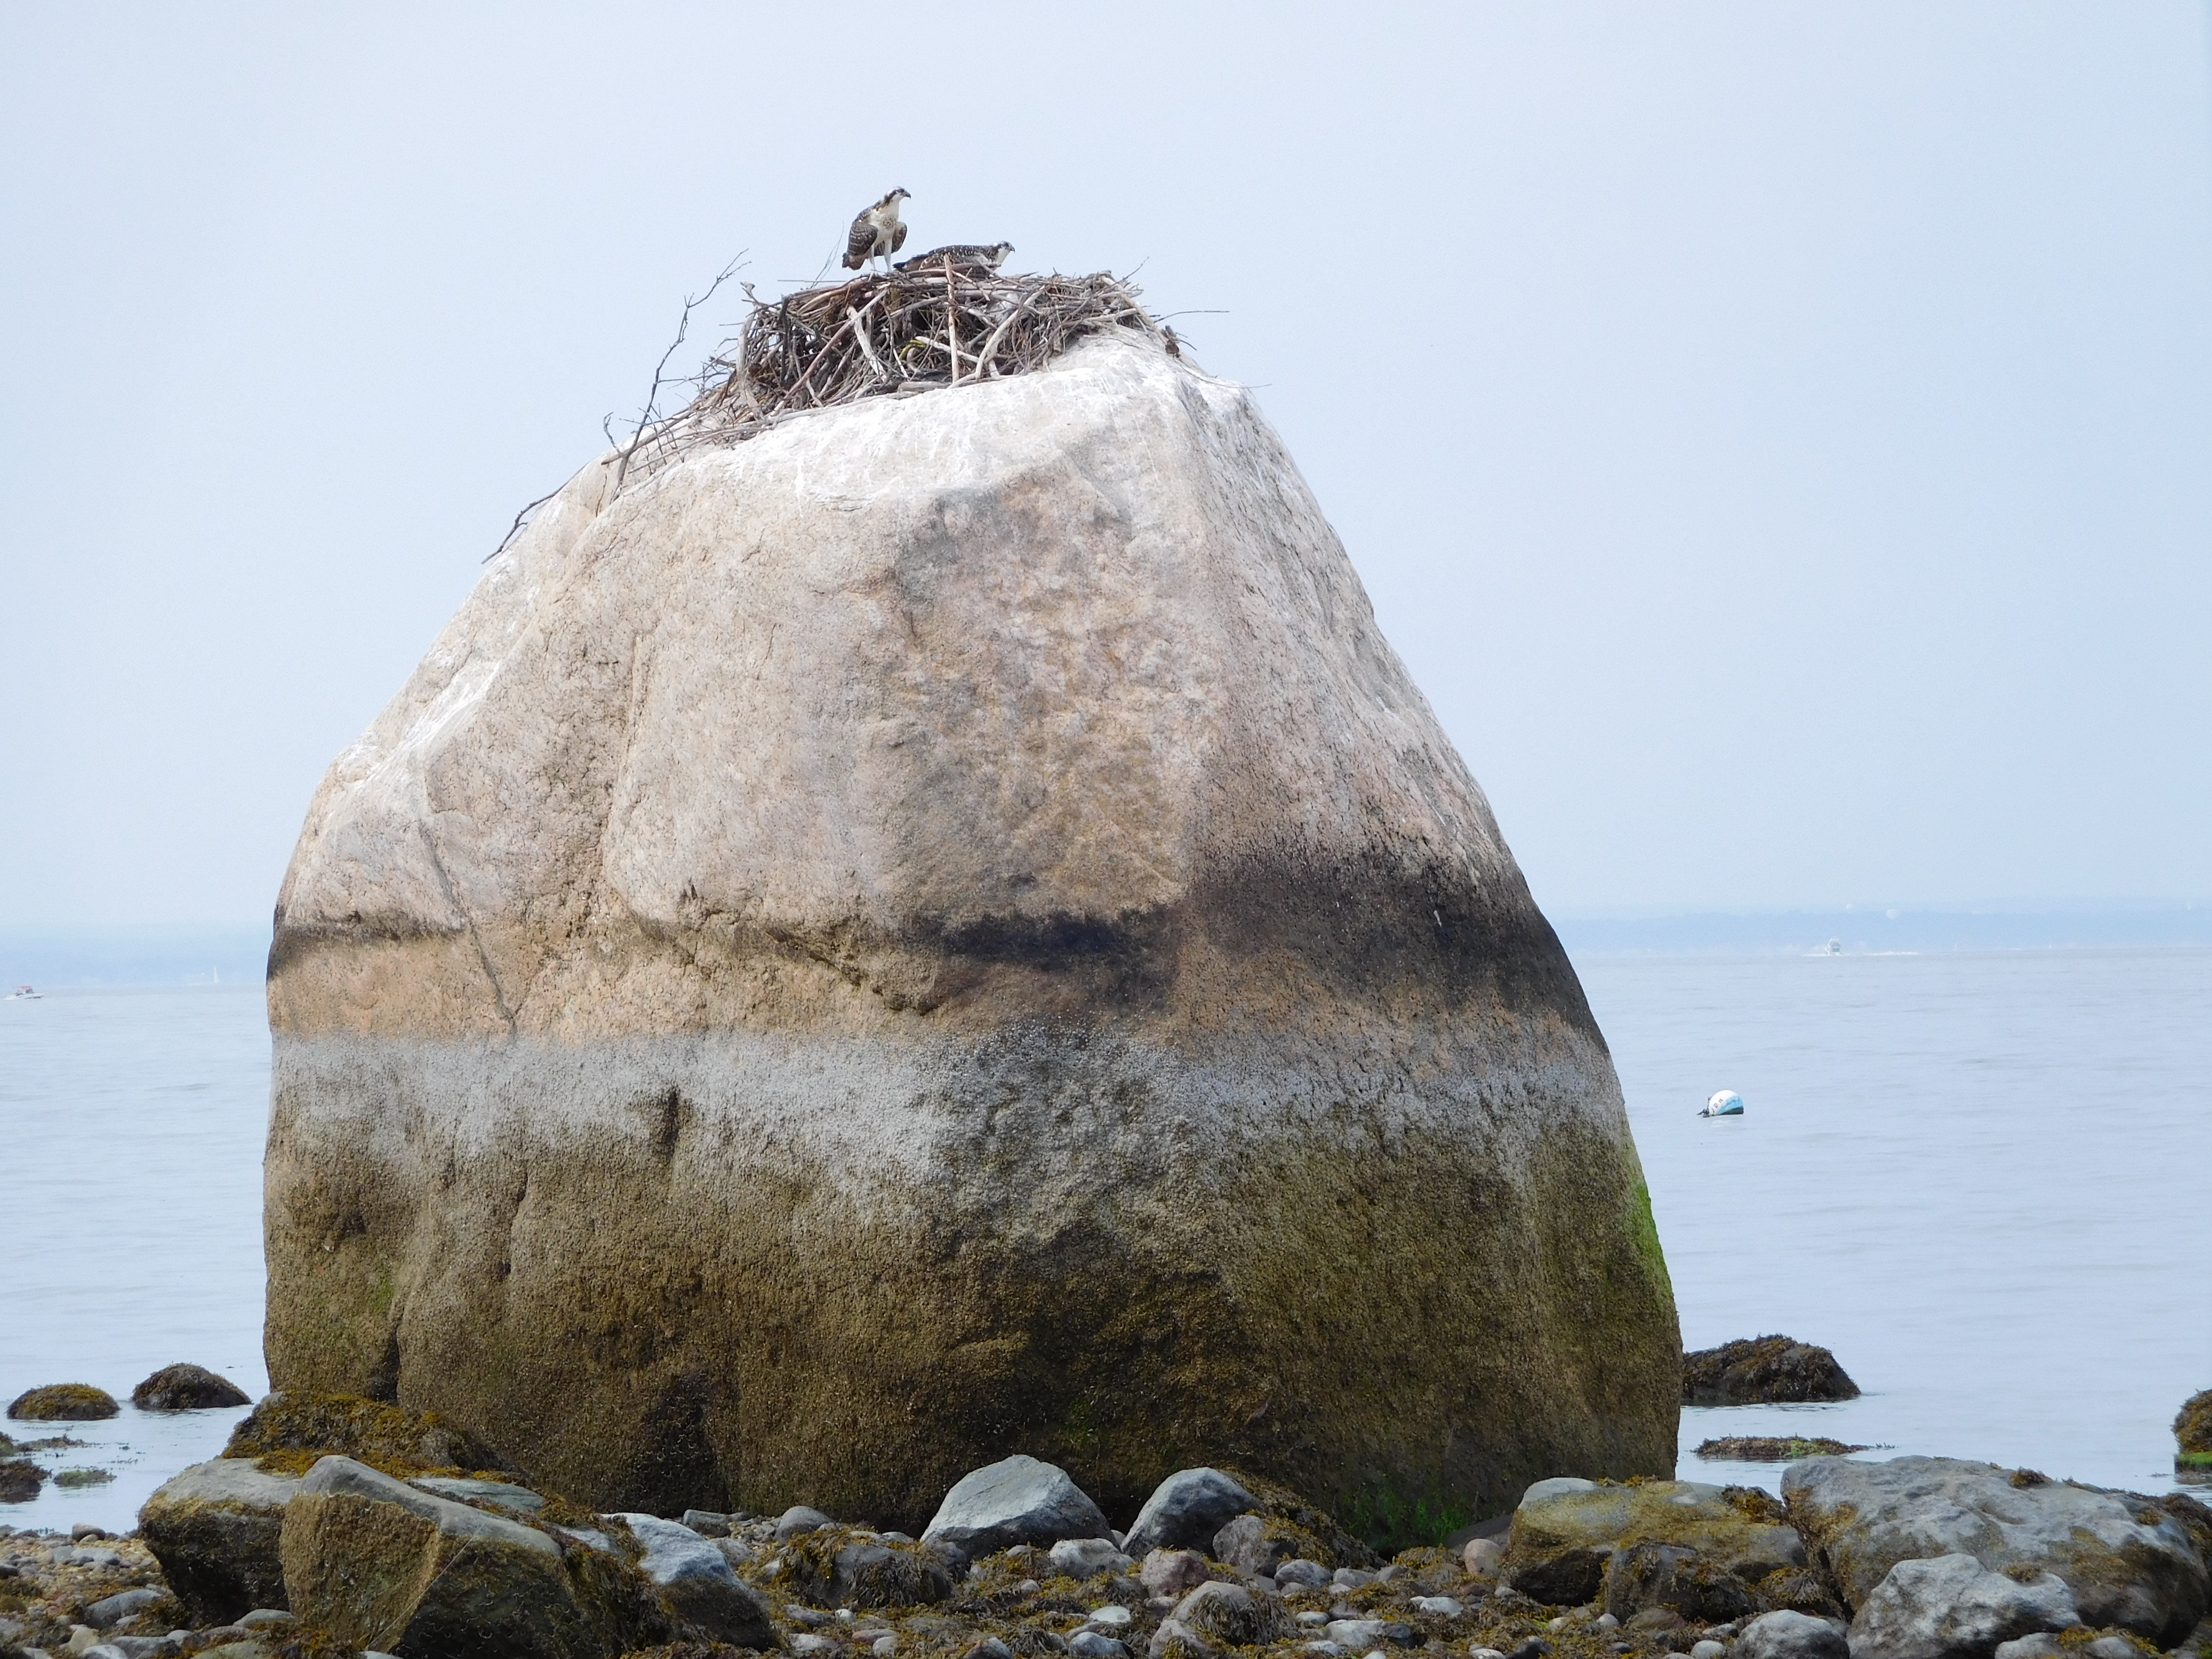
(335, 1527)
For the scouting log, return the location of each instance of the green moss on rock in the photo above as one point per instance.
(77, 1402)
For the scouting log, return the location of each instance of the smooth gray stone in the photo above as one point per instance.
(707, 1523)
(264, 1616)
(1365, 1633)
(214, 1529)
(1186, 1509)
(1792, 1636)
(1016, 1500)
(1954, 1608)
(799, 1519)
(1303, 1573)
(1095, 1645)
(113, 1609)
(344, 1475)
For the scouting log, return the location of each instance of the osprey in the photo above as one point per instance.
(877, 234)
(967, 254)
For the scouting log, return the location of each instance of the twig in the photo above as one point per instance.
(653, 398)
(515, 529)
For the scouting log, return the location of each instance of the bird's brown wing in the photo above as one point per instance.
(859, 242)
(898, 236)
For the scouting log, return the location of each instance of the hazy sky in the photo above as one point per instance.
(1775, 434)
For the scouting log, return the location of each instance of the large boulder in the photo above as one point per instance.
(216, 1528)
(1705, 1550)
(375, 1563)
(944, 928)
(2127, 1560)
(63, 1402)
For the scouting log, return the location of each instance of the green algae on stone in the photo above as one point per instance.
(75, 1402)
(83, 1477)
(2192, 1431)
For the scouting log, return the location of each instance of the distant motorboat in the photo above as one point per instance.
(1726, 1104)
(23, 993)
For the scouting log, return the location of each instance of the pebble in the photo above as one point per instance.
(886, 1647)
(1095, 1645)
(1476, 1651)
(1444, 1606)
(1326, 1650)
(1606, 1621)
(1313, 1617)
(1709, 1648)
(1109, 1616)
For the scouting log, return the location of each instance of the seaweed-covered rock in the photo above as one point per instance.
(20, 1479)
(1016, 1500)
(376, 1563)
(64, 1402)
(1186, 1509)
(2192, 1433)
(1231, 1615)
(186, 1388)
(1721, 1542)
(698, 1584)
(835, 1566)
(292, 1429)
(1337, 1546)
(1258, 1543)
(1763, 1370)
(982, 853)
(2127, 1560)
(216, 1529)
(1951, 1606)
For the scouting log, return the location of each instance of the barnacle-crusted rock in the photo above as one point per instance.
(1951, 1606)
(216, 1529)
(1701, 1550)
(1763, 1370)
(2127, 1560)
(950, 912)
(70, 1402)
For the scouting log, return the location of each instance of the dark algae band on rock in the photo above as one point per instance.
(998, 957)
(1767, 1448)
(1763, 1370)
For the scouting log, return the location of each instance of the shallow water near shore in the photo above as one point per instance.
(1978, 1178)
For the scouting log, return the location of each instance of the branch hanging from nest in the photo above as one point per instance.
(878, 336)
(646, 421)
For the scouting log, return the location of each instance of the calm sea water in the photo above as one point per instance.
(1980, 1179)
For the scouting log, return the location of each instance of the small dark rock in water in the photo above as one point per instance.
(84, 1478)
(1762, 1371)
(19, 1481)
(2192, 1433)
(185, 1389)
(75, 1402)
(1766, 1449)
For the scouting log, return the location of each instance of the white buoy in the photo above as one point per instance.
(1726, 1104)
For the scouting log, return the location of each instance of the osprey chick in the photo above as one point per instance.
(964, 255)
(877, 234)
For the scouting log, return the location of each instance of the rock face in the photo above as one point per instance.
(944, 928)
(1763, 1370)
(2126, 1561)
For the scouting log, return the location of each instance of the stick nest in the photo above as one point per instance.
(885, 336)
